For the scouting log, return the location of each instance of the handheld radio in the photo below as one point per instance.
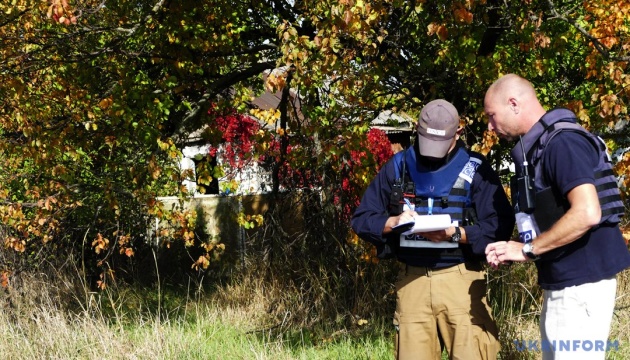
(525, 186)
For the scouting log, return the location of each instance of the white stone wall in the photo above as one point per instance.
(251, 179)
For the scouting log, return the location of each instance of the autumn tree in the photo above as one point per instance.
(97, 99)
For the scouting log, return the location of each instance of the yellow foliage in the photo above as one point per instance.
(270, 116)
(276, 80)
(250, 221)
(15, 244)
(489, 139)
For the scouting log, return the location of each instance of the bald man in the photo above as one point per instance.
(575, 208)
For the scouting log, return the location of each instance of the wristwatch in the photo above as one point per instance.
(528, 251)
(457, 236)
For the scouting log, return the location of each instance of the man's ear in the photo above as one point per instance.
(459, 132)
(514, 105)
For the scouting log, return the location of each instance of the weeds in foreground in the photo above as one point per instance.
(123, 326)
(237, 321)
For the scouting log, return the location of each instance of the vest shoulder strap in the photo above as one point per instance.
(556, 128)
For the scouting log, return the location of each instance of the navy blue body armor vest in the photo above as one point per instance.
(550, 205)
(443, 191)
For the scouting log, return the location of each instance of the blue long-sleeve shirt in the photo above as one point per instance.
(495, 217)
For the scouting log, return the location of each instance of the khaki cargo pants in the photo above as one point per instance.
(444, 308)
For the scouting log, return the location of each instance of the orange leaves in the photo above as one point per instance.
(541, 40)
(622, 169)
(610, 104)
(489, 139)
(100, 244)
(609, 19)
(124, 244)
(463, 15)
(4, 279)
(47, 203)
(102, 283)
(276, 80)
(154, 167)
(348, 17)
(105, 103)
(202, 263)
(14, 243)
(60, 11)
(213, 249)
(606, 63)
(577, 107)
(436, 29)
(368, 252)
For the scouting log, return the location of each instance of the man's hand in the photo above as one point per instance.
(406, 216)
(438, 235)
(392, 221)
(504, 252)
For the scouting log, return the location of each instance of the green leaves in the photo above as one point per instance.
(92, 114)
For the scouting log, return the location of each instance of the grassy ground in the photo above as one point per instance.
(203, 331)
(34, 324)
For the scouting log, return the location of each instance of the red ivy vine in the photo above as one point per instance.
(237, 133)
(240, 137)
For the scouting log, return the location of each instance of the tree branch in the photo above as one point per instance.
(221, 84)
(596, 43)
(13, 18)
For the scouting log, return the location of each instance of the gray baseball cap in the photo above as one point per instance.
(437, 127)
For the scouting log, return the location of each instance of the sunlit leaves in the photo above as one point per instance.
(439, 30)
(100, 244)
(488, 140)
(60, 11)
(249, 221)
(270, 116)
(93, 115)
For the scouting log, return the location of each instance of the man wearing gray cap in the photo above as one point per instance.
(435, 207)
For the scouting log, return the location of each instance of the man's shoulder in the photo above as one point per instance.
(565, 140)
(572, 133)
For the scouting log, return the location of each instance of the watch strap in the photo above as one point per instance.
(528, 251)
(457, 236)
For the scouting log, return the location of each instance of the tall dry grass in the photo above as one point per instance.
(286, 296)
(248, 319)
(37, 322)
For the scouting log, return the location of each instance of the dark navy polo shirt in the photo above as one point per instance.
(568, 161)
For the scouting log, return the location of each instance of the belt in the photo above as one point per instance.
(429, 271)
